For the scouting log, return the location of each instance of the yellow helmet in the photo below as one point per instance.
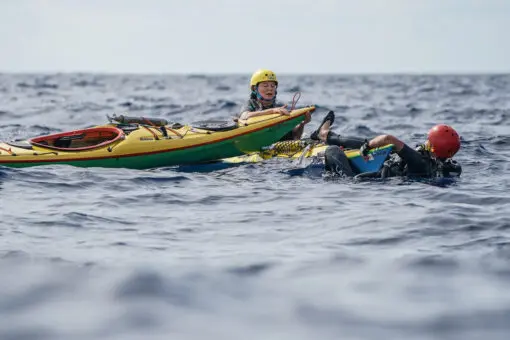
(262, 75)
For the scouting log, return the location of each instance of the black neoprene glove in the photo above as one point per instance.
(363, 150)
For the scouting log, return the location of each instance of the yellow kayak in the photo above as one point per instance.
(143, 143)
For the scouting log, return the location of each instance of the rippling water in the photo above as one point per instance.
(251, 252)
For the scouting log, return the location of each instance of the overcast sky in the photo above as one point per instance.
(239, 36)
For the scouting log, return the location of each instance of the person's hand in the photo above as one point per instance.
(308, 118)
(363, 150)
(281, 110)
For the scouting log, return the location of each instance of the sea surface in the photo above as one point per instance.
(252, 252)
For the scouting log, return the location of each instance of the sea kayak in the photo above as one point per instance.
(306, 149)
(142, 143)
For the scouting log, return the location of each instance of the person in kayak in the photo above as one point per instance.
(429, 160)
(264, 85)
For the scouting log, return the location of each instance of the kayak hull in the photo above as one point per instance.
(284, 150)
(148, 147)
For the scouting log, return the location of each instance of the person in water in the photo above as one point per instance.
(264, 85)
(429, 160)
(325, 135)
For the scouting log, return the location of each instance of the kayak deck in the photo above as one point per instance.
(148, 146)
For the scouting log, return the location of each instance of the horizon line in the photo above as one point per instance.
(216, 73)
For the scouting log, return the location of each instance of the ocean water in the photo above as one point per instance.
(251, 252)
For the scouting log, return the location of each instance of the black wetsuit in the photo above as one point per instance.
(406, 162)
(253, 105)
(345, 142)
(419, 163)
(335, 159)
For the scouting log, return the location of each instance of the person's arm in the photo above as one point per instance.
(250, 114)
(383, 140)
(414, 160)
(297, 132)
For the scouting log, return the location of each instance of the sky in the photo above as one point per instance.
(240, 36)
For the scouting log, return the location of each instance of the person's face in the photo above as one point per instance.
(267, 89)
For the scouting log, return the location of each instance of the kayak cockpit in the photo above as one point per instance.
(79, 140)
